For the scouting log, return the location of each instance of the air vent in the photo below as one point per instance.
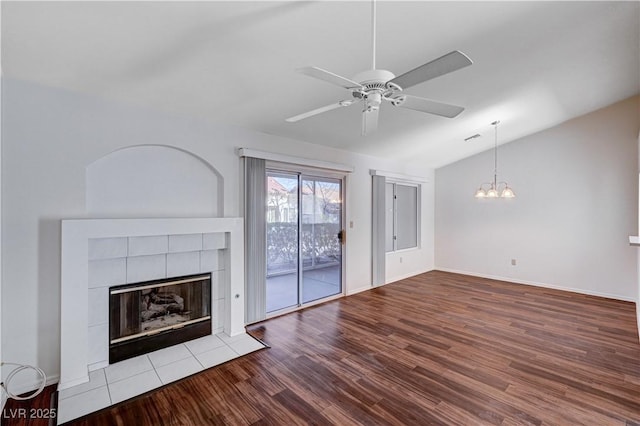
(375, 85)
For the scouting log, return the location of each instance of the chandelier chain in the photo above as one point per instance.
(495, 154)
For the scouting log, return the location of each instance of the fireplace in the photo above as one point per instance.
(87, 274)
(151, 315)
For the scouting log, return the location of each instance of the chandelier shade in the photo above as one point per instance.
(495, 189)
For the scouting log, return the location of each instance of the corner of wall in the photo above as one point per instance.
(4, 396)
(638, 264)
(552, 242)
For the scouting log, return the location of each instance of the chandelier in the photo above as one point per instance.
(495, 189)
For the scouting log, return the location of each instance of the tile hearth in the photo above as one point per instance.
(135, 376)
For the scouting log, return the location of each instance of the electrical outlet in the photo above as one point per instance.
(350, 224)
(513, 262)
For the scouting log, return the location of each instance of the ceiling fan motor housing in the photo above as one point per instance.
(375, 87)
(374, 79)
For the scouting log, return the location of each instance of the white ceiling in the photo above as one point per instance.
(536, 64)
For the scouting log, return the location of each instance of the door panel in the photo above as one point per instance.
(282, 241)
(321, 246)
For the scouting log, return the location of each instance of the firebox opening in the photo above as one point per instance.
(148, 316)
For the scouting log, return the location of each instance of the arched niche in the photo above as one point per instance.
(153, 181)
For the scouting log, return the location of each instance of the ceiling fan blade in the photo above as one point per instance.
(321, 110)
(443, 65)
(427, 105)
(330, 77)
(369, 121)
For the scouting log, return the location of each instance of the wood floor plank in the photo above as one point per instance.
(434, 349)
(31, 412)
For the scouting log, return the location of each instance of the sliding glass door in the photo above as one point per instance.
(304, 239)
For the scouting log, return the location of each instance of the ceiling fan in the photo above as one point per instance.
(374, 86)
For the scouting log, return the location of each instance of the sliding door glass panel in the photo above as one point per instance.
(282, 241)
(406, 216)
(321, 214)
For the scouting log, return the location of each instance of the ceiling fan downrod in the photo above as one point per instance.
(373, 34)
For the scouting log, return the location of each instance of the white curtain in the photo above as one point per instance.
(378, 231)
(255, 235)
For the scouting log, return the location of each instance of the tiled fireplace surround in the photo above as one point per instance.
(129, 260)
(99, 253)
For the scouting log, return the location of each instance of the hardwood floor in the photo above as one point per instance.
(438, 348)
(38, 411)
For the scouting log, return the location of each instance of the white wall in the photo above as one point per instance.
(638, 269)
(576, 205)
(51, 136)
(144, 181)
(3, 396)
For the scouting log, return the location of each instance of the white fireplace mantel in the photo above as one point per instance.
(75, 276)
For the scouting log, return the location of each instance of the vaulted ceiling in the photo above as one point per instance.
(536, 64)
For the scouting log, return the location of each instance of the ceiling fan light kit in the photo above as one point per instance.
(374, 86)
(495, 189)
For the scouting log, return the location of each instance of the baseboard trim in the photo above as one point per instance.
(405, 276)
(30, 386)
(358, 290)
(538, 284)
